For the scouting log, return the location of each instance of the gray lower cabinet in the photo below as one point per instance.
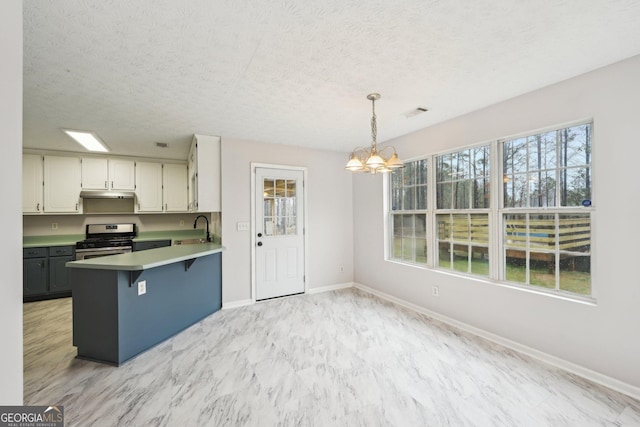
(58, 277)
(34, 276)
(44, 272)
(150, 244)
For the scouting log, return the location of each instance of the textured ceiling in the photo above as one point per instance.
(296, 72)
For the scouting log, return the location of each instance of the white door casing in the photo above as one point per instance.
(278, 232)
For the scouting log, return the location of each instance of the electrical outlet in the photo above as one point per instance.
(435, 291)
(142, 287)
(242, 226)
(54, 225)
(182, 223)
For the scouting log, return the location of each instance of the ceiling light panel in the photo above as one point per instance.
(89, 140)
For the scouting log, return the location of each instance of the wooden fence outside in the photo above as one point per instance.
(574, 236)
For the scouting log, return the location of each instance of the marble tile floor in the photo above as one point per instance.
(343, 358)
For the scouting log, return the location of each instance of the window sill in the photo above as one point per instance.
(586, 300)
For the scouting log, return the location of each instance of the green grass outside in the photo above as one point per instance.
(577, 282)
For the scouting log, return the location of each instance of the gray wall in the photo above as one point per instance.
(329, 211)
(601, 337)
(11, 260)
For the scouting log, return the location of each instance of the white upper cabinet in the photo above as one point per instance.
(122, 174)
(52, 184)
(148, 187)
(161, 188)
(108, 174)
(174, 187)
(204, 174)
(62, 184)
(32, 194)
(95, 174)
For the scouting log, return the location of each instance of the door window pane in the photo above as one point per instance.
(269, 188)
(290, 188)
(280, 207)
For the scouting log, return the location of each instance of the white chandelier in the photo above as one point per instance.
(374, 160)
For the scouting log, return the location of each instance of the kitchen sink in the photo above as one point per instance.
(189, 241)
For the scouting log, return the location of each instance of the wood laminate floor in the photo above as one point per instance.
(342, 358)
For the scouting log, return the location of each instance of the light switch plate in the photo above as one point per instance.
(242, 226)
(142, 287)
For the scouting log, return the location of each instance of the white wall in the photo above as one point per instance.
(329, 210)
(603, 338)
(11, 259)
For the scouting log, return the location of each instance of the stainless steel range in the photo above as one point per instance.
(106, 239)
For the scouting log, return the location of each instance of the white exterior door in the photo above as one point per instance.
(279, 232)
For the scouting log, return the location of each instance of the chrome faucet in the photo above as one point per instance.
(207, 220)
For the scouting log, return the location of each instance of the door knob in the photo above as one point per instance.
(259, 234)
(259, 243)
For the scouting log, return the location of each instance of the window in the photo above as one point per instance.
(547, 215)
(408, 215)
(549, 169)
(463, 199)
(534, 230)
(463, 179)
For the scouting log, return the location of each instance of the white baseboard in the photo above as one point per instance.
(236, 304)
(330, 288)
(242, 303)
(549, 359)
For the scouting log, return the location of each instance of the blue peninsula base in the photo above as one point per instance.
(112, 323)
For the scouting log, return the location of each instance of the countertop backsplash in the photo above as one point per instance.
(61, 225)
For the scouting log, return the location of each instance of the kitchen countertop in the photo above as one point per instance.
(145, 260)
(145, 236)
(61, 240)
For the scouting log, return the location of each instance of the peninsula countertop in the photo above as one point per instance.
(145, 260)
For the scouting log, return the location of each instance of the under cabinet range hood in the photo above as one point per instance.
(107, 202)
(106, 194)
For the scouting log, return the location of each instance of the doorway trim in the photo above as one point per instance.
(254, 166)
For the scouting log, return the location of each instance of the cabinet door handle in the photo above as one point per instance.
(112, 185)
(166, 207)
(76, 207)
(38, 207)
(106, 186)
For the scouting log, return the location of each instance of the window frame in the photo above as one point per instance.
(468, 211)
(391, 213)
(496, 211)
(556, 210)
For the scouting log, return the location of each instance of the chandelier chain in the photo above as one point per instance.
(374, 126)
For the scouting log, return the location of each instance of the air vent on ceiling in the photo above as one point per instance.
(415, 112)
(162, 145)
